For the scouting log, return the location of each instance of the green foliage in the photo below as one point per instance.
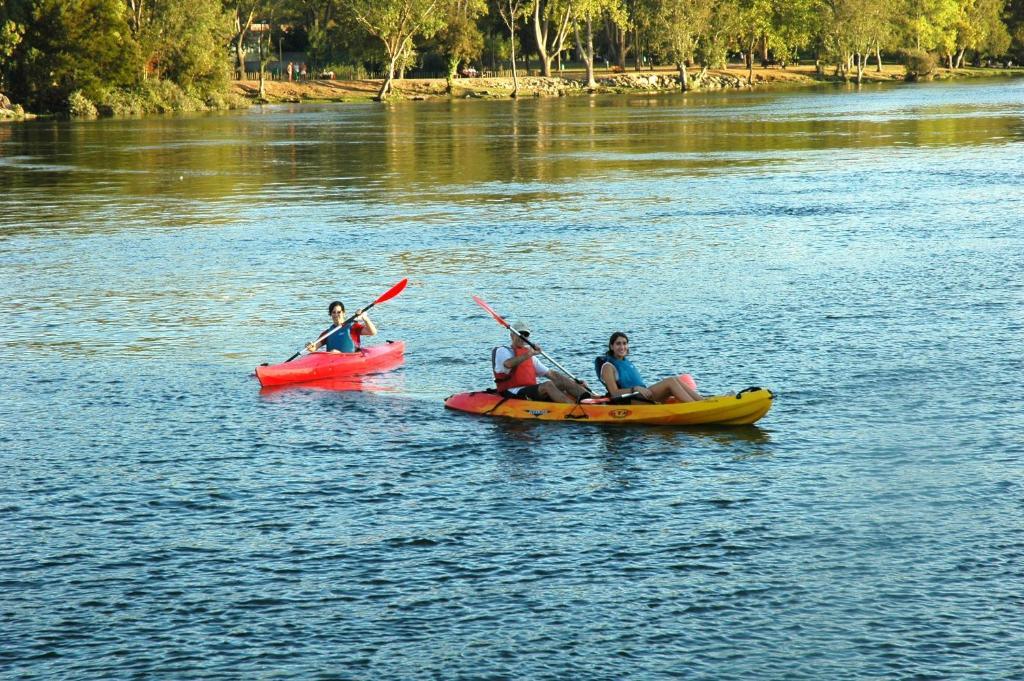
(184, 42)
(71, 45)
(980, 27)
(497, 47)
(11, 34)
(156, 96)
(80, 106)
(347, 71)
(460, 38)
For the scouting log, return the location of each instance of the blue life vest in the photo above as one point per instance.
(341, 340)
(628, 376)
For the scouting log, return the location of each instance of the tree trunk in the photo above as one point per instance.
(541, 34)
(453, 66)
(263, 89)
(385, 88)
(515, 77)
(683, 83)
(750, 62)
(590, 53)
(241, 28)
(860, 67)
(618, 41)
(240, 56)
(587, 53)
(637, 53)
(960, 57)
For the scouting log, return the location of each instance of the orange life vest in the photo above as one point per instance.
(522, 375)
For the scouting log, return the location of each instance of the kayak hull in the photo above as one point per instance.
(317, 366)
(725, 410)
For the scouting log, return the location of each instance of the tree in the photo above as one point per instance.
(718, 36)
(980, 27)
(794, 25)
(931, 24)
(395, 23)
(243, 13)
(511, 12)
(681, 23)
(461, 39)
(11, 34)
(68, 46)
(852, 28)
(552, 21)
(183, 41)
(755, 23)
(587, 13)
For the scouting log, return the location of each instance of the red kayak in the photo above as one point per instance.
(320, 365)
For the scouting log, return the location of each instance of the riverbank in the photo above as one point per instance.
(571, 82)
(658, 80)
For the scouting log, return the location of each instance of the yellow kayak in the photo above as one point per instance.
(744, 408)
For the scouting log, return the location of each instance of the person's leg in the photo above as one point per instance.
(674, 387)
(550, 393)
(568, 386)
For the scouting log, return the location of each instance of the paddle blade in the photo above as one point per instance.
(490, 310)
(393, 291)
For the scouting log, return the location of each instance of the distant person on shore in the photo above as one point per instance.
(620, 377)
(302, 71)
(516, 370)
(291, 70)
(346, 339)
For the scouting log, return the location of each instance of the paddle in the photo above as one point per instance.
(388, 295)
(526, 340)
(606, 400)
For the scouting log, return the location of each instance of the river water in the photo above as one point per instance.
(860, 253)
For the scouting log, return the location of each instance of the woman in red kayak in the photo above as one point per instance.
(620, 377)
(346, 339)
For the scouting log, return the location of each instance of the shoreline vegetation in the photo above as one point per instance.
(242, 94)
(99, 58)
(659, 80)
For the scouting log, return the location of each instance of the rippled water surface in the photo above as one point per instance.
(858, 252)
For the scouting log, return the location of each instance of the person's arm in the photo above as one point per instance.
(540, 369)
(515, 360)
(610, 378)
(369, 328)
(313, 345)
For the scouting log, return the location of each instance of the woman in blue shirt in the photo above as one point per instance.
(345, 340)
(621, 378)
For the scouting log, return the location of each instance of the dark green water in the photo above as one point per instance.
(858, 252)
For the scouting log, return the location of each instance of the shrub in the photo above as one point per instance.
(80, 106)
(166, 96)
(919, 64)
(121, 102)
(343, 71)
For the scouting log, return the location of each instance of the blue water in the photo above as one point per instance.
(860, 253)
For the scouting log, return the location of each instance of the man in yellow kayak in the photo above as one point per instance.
(516, 370)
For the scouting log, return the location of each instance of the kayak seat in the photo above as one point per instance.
(599, 362)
